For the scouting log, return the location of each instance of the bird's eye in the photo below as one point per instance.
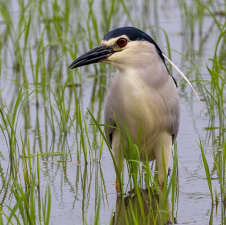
(122, 42)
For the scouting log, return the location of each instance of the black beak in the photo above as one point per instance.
(96, 55)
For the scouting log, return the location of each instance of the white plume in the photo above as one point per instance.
(179, 71)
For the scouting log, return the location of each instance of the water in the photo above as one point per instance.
(74, 184)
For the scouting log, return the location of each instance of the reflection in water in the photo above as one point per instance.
(146, 207)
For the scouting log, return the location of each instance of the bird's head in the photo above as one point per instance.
(122, 47)
(129, 47)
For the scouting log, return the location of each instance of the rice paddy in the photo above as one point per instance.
(55, 164)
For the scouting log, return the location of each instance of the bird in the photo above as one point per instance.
(142, 98)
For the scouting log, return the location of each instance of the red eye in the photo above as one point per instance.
(122, 42)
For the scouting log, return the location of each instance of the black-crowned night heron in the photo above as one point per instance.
(142, 96)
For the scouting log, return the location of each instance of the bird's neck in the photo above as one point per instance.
(154, 75)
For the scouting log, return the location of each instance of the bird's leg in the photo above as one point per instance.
(117, 186)
(163, 149)
(118, 157)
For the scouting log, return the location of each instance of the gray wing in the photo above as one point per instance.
(109, 124)
(175, 119)
(174, 133)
